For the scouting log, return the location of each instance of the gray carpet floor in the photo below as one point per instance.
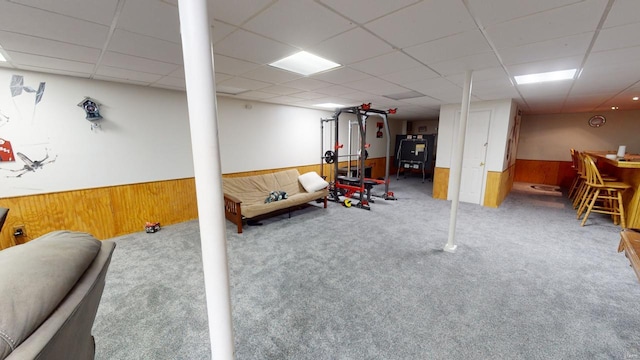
(527, 282)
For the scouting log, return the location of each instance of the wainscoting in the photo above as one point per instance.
(117, 210)
(544, 172)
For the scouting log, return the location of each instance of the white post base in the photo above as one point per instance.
(450, 248)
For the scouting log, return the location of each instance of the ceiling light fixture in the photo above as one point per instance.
(2, 58)
(635, 98)
(544, 77)
(329, 105)
(304, 63)
(614, 108)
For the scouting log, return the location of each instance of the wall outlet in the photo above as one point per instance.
(19, 231)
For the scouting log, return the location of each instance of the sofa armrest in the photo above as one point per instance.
(232, 210)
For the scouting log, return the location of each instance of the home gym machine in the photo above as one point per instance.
(349, 185)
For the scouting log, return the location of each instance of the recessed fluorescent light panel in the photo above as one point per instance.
(544, 77)
(304, 63)
(2, 57)
(329, 105)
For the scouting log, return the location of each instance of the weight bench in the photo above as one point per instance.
(353, 182)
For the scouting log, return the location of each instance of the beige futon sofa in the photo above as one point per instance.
(244, 197)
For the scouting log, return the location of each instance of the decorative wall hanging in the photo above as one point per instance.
(17, 86)
(31, 165)
(6, 151)
(92, 110)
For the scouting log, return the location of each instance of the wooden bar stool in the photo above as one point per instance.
(608, 193)
(576, 180)
(582, 188)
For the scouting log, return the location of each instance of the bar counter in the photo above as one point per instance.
(627, 170)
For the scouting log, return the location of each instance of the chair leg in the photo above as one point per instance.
(591, 203)
(584, 201)
(623, 222)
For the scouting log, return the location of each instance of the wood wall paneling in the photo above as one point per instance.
(498, 186)
(103, 212)
(440, 183)
(557, 173)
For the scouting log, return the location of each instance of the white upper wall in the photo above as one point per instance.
(502, 116)
(145, 136)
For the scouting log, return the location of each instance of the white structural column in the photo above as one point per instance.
(456, 165)
(201, 101)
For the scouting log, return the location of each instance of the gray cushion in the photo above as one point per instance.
(35, 277)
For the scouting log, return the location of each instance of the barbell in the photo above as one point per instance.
(330, 157)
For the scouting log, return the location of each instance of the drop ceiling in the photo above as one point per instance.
(405, 54)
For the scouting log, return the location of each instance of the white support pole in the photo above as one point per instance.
(456, 166)
(201, 101)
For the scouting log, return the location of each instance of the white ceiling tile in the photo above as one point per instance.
(335, 90)
(575, 45)
(618, 37)
(55, 71)
(220, 77)
(561, 22)
(386, 64)
(312, 22)
(372, 10)
(129, 43)
(614, 57)
(438, 88)
(151, 18)
(423, 101)
(44, 62)
(231, 66)
(376, 86)
(242, 83)
(280, 90)
(555, 90)
(607, 78)
(307, 84)
(410, 75)
(121, 80)
(171, 81)
(450, 47)
(623, 12)
(495, 73)
(340, 75)
(51, 48)
(472, 62)
(309, 95)
(98, 11)
(491, 12)
(352, 46)
(220, 31)
(257, 95)
(138, 64)
(425, 21)
(284, 99)
(248, 46)
(271, 74)
(235, 12)
(47, 25)
(573, 62)
(124, 74)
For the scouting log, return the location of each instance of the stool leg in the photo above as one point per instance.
(622, 219)
(591, 203)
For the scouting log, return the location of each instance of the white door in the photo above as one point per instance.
(475, 153)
